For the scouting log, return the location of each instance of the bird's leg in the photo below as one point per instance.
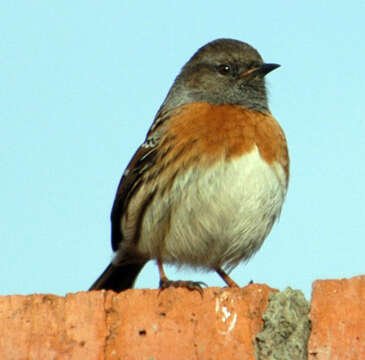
(226, 278)
(166, 283)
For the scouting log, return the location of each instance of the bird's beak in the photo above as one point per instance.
(261, 71)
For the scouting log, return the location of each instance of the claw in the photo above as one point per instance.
(190, 285)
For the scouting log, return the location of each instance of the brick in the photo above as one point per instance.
(338, 320)
(52, 327)
(135, 324)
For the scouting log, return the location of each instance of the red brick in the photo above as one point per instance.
(136, 324)
(52, 327)
(338, 320)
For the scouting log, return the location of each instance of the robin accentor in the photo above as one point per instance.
(208, 183)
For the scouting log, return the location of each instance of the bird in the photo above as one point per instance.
(209, 181)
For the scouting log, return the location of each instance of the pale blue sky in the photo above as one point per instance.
(80, 84)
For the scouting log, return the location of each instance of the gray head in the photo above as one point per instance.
(224, 71)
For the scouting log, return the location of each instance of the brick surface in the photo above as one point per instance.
(136, 324)
(52, 327)
(338, 320)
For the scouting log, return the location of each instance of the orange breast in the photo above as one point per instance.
(203, 133)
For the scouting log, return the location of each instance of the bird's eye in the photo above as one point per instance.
(224, 69)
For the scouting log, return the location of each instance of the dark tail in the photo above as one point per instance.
(118, 278)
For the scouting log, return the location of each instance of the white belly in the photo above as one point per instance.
(217, 216)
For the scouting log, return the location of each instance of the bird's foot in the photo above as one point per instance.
(190, 285)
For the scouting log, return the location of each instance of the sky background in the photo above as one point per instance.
(81, 82)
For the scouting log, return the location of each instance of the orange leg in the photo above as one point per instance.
(226, 278)
(161, 271)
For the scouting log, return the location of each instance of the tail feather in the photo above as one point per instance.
(118, 278)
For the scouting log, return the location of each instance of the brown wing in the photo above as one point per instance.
(143, 160)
